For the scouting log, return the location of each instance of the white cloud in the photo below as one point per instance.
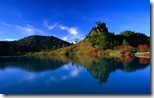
(73, 33)
(71, 30)
(65, 38)
(49, 26)
(8, 39)
(30, 30)
(71, 36)
(63, 27)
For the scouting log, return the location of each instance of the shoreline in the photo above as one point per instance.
(142, 54)
(108, 54)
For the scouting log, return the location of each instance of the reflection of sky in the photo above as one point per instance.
(72, 79)
(66, 72)
(12, 77)
(133, 82)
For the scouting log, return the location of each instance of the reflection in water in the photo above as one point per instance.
(33, 64)
(100, 68)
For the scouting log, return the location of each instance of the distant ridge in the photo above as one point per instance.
(33, 43)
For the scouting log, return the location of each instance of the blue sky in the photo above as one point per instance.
(71, 19)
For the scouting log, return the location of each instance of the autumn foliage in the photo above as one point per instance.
(143, 47)
(124, 48)
(144, 60)
(93, 52)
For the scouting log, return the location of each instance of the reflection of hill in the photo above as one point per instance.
(131, 64)
(31, 64)
(101, 68)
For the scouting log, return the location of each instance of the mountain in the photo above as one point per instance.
(31, 44)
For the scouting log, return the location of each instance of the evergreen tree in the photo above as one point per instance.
(125, 43)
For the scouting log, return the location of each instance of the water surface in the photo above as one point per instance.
(75, 75)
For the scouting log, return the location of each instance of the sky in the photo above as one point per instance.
(71, 19)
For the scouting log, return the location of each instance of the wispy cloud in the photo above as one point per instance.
(5, 24)
(49, 26)
(72, 35)
(71, 30)
(30, 30)
(27, 29)
(65, 38)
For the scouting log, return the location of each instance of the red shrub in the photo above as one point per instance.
(143, 47)
(124, 48)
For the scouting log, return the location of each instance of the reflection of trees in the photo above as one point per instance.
(144, 60)
(131, 64)
(31, 64)
(101, 68)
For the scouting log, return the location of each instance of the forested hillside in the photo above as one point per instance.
(31, 44)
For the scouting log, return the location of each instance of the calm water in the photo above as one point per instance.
(77, 75)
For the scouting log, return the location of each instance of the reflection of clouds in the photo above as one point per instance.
(30, 77)
(64, 77)
(65, 67)
(53, 79)
(70, 72)
(49, 77)
(73, 72)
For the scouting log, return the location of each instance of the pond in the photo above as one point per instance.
(74, 75)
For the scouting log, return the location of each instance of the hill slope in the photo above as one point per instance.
(100, 39)
(31, 44)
